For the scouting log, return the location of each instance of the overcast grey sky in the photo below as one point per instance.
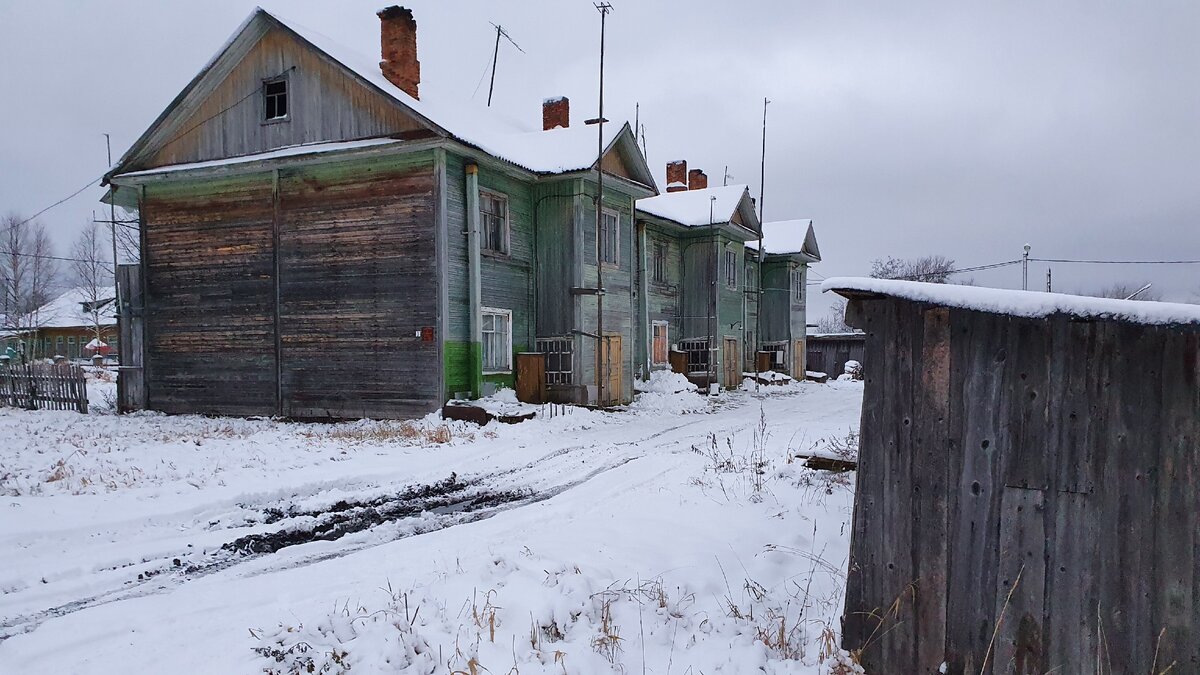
(901, 128)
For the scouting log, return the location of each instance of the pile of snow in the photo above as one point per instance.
(503, 403)
(853, 371)
(668, 393)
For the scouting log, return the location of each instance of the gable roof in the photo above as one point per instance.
(543, 152)
(790, 237)
(695, 208)
(69, 310)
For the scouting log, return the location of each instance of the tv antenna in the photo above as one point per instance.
(496, 55)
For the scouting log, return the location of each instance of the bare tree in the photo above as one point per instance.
(91, 272)
(28, 270)
(128, 249)
(932, 268)
(834, 320)
(1124, 290)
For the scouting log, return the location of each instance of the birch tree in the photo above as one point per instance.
(91, 272)
(27, 270)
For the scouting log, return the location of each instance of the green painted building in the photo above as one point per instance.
(318, 240)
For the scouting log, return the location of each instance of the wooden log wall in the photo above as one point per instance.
(304, 295)
(1026, 495)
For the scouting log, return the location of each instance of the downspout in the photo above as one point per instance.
(643, 301)
(475, 358)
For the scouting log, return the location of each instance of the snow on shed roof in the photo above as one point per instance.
(67, 310)
(1032, 304)
(692, 207)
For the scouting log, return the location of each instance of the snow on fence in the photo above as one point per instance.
(43, 386)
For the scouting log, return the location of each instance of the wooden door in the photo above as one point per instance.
(732, 365)
(610, 363)
(798, 360)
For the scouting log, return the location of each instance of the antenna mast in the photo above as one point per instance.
(603, 353)
(496, 55)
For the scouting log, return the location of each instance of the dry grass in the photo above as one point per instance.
(387, 432)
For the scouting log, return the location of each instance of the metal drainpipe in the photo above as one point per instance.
(643, 301)
(475, 358)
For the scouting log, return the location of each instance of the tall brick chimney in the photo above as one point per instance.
(398, 41)
(677, 175)
(556, 112)
(697, 180)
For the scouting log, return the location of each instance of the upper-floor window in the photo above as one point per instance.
(660, 261)
(751, 277)
(493, 218)
(275, 99)
(610, 238)
(731, 269)
(798, 285)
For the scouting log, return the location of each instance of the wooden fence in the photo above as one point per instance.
(44, 386)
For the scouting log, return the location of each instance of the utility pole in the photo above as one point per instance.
(603, 355)
(762, 177)
(496, 55)
(1025, 268)
(762, 255)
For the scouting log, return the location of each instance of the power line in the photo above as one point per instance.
(1117, 262)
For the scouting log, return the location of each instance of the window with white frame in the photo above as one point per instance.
(731, 269)
(497, 340)
(798, 285)
(610, 238)
(660, 261)
(660, 342)
(493, 218)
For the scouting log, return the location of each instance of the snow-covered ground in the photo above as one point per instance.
(672, 537)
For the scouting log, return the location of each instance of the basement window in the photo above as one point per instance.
(275, 100)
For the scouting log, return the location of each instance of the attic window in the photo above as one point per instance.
(275, 99)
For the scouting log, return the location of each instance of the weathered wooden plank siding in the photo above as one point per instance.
(325, 104)
(357, 285)
(619, 308)
(776, 302)
(1025, 489)
(664, 297)
(209, 301)
(697, 287)
(554, 217)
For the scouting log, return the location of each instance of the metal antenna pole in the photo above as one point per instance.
(603, 353)
(762, 178)
(1049, 285)
(1025, 269)
(496, 55)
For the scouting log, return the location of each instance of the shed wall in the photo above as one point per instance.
(1039, 471)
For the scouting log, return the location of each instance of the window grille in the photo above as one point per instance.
(560, 362)
(698, 355)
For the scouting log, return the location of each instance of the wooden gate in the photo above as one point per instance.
(131, 382)
(731, 364)
(610, 361)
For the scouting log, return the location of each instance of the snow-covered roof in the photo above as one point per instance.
(555, 151)
(290, 151)
(694, 208)
(67, 310)
(1032, 304)
(790, 237)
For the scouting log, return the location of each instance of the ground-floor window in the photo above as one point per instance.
(497, 340)
(560, 358)
(660, 343)
(698, 355)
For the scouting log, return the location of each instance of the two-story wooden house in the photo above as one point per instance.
(318, 241)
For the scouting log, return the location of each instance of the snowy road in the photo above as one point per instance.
(195, 563)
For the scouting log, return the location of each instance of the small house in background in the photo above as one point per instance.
(1027, 482)
(829, 352)
(77, 324)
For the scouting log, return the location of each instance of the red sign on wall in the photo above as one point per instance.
(427, 334)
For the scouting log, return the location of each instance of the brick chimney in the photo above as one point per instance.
(556, 112)
(697, 180)
(677, 175)
(398, 41)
